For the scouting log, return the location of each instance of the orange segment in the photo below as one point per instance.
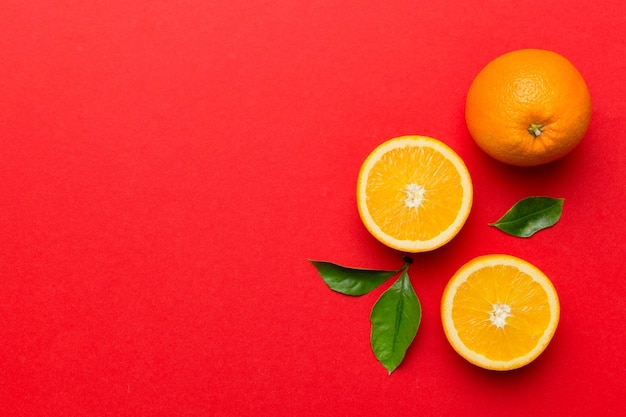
(414, 193)
(499, 312)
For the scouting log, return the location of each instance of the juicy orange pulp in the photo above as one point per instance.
(500, 312)
(414, 193)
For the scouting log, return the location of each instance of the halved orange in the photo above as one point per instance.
(414, 193)
(499, 312)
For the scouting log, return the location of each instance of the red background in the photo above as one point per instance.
(168, 167)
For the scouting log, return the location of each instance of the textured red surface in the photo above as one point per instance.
(167, 168)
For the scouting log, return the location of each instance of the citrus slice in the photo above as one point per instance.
(414, 193)
(499, 312)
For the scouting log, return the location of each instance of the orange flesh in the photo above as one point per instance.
(501, 285)
(387, 193)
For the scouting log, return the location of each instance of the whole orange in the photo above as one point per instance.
(528, 107)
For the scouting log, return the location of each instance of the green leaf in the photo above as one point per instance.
(395, 318)
(529, 215)
(351, 281)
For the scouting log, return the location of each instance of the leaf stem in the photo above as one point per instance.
(407, 262)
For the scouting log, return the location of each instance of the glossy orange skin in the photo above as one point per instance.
(528, 89)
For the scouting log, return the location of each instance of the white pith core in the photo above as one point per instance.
(414, 195)
(499, 314)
